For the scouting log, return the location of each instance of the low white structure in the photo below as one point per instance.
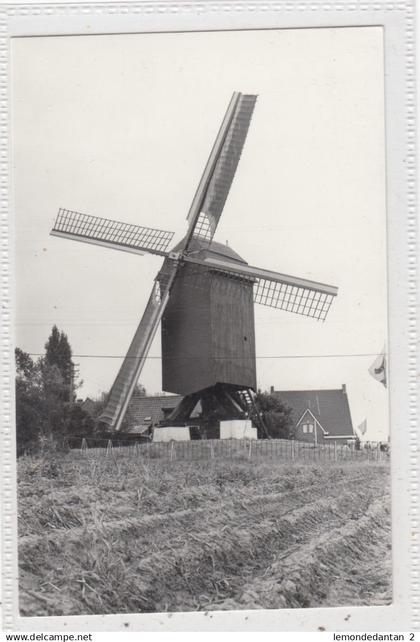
(233, 429)
(237, 429)
(171, 433)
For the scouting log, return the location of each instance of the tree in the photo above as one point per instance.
(25, 365)
(52, 350)
(77, 421)
(56, 399)
(276, 416)
(58, 354)
(45, 408)
(30, 402)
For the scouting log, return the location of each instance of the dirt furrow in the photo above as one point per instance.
(133, 538)
(307, 576)
(215, 569)
(190, 519)
(208, 567)
(153, 490)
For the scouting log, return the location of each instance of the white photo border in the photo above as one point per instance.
(397, 21)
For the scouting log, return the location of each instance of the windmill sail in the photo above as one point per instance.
(109, 233)
(221, 167)
(290, 293)
(135, 359)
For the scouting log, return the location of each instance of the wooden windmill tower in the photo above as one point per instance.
(204, 294)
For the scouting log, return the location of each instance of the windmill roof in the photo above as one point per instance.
(216, 250)
(330, 407)
(147, 410)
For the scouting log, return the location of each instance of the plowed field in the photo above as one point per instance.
(115, 535)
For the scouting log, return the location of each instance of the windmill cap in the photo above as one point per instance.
(202, 249)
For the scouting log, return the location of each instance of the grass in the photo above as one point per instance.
(118, 534)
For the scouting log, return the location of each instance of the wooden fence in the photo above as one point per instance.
(239, 449)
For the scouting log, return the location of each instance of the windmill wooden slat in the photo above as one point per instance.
(208, 329)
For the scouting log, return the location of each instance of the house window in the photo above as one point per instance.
(308, 428)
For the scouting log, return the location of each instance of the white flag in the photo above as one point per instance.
(362, 427)
(378, 368)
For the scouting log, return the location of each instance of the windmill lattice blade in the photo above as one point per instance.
(135, 359)
(221, 169)
(114, 234)
(293, 294)
(305, 301)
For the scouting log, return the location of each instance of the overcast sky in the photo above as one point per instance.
(121, 127)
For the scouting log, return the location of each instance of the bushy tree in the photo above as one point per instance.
(30, 402)
(45, 408)
(58, 355)
(276, 416)
(76, 421)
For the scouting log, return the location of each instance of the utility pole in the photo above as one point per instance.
(74, 373)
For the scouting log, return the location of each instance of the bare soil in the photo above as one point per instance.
(116, 534)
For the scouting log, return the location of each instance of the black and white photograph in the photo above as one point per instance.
(200, 328)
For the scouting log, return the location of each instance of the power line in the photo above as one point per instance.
(283, 356)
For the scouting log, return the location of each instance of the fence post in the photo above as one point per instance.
(250, 449)
(172, 450)
(211, 449)
(84, 445)
(335, 451)
(109, 447)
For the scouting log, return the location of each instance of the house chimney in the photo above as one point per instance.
(343, 388)
(271, 390)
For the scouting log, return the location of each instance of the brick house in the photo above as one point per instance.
(319, 416)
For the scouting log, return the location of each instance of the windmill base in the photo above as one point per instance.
(233, 429)
(171, 433)
(225, 414)
(238, 429)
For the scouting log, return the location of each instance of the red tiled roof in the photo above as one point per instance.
(330, 408)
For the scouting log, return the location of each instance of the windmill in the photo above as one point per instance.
(203, 295)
